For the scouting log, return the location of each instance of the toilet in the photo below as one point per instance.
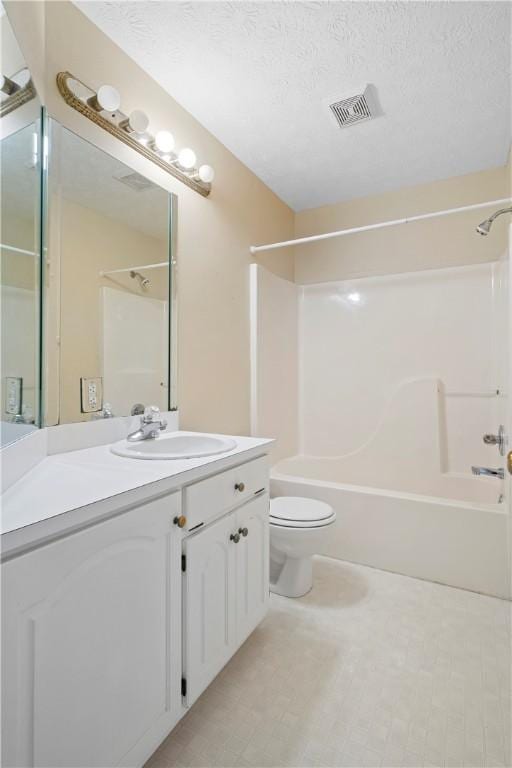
(298, 530)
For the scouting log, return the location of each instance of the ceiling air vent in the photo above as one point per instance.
(135, 181)
(354, 109)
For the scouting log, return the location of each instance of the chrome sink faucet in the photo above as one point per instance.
(488, 472)
(151, 423)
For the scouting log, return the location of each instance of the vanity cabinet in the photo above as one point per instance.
(110, 632)
(225, 591)
(92, 643)
(252, 566)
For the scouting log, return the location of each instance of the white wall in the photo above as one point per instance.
(274, 363)
(361, 340)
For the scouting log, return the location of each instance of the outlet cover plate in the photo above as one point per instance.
(91, 394)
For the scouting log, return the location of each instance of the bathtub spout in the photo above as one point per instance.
(488, 472)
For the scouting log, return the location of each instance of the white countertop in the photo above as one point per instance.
(69, 490)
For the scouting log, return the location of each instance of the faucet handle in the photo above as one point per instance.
(151, 413)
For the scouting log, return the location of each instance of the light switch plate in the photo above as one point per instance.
(91, 391)
(13, 395)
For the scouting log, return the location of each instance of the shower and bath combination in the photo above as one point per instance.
(485, 227)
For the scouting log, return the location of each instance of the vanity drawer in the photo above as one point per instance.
(209, 498)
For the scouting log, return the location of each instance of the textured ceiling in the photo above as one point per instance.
(258, 75)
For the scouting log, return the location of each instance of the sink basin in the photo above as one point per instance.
(174, 445)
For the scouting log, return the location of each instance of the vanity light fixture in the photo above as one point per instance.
(103, 109)
(18, 88)
(8, 86)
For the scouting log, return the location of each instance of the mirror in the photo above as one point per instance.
(109, 306)
(20, 238)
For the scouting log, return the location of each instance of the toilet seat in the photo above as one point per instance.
(295, 525)
(298, 512)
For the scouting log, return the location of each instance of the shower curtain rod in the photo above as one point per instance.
(134, 269)
(18, 250)
(381, 225)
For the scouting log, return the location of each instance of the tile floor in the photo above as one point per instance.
(369, 669)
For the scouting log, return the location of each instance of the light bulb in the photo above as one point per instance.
(164, 141)
(206, 173)
(136, 123)
(187, 158)
(107, 98)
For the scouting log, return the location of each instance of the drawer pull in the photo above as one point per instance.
(235, 537)
(243, 531)
(180, 521)
(240, 487)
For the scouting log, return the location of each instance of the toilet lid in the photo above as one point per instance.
(296, 509)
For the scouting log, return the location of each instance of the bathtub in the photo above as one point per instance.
(449, 529)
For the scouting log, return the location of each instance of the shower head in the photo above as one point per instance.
(143, 281)
(485, 227)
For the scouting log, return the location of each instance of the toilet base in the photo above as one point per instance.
(293, 577)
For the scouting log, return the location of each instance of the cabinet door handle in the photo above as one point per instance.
(243, 531)
(180, 521)
(240, 487)
(235, 537)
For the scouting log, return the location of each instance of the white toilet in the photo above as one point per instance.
(298, 529)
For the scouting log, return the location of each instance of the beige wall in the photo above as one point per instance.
(448, 241)
(214, 234)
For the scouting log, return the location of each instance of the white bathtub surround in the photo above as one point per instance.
(460, 543)
(400, 376)
(393, 672)
(407, 452)
(274, 359)
(362, 340)
(299, 529)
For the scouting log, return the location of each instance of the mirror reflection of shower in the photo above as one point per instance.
(485, 227)
(144, 282)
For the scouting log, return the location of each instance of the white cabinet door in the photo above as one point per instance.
(252, 574)
(90, 624)
(209, 604)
